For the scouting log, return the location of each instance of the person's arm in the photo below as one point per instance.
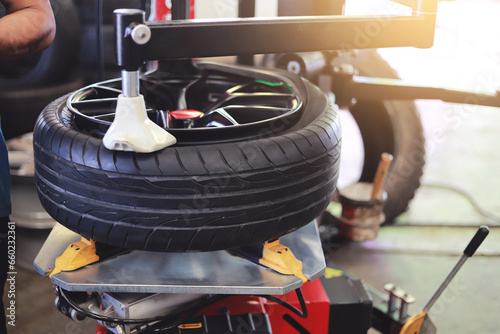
(27, 27)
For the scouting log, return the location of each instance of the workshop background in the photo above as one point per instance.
(459, 191)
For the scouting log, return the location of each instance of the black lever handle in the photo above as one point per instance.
(478, 238)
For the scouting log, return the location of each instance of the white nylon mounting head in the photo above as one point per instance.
(132, 130)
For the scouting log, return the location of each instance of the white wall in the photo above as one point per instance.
(229, 8)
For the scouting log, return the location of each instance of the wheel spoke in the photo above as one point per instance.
(107, 88)
(224, 98)
(104, 116)
(270, 99)
(96, 107)
(278, 100)
(182, 102)
(95, 101)
(244, 114)
(218, 117)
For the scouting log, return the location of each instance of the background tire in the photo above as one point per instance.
(88, 12)
(19, 109)
(203, 197)
(388, 126)
(53, 64)
(90, 56)
(33, 224)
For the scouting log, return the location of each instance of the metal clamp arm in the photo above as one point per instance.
(201, 38)
(347, 86)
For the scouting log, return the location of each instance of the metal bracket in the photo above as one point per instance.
(347, 85)
(280, 258)
(76, 256)
(396, 293)
(194, 273)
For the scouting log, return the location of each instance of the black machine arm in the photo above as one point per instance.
(138, 41)
(348, 86)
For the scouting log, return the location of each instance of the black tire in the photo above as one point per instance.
(89, 48)
(88, 12)
(204, 197)
(388, 126)
(89, 53)
(19, 109)
(53, 64)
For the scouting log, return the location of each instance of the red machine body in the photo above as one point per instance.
(282, 320)
(163, 9)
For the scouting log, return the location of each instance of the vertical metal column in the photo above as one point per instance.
(246, 8)
(130, 83)
(127, 56)
(100, 38)
(181, 9)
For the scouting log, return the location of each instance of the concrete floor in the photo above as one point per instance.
(426, 242)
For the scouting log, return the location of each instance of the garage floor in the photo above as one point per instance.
(418, 252)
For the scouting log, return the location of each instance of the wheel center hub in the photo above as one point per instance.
(183, 118)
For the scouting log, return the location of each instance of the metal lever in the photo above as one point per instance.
(348, 86)
(418, 323)
(478, 238)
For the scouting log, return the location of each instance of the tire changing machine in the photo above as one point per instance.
(234, 291)
(139, 284)
(130, 291)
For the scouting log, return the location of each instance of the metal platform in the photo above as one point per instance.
(209, 272)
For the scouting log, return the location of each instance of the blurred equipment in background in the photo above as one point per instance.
(33, 223)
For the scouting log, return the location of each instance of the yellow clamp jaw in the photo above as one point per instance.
(418, 324)
(280, 258)
(77, 255)
(413, 325)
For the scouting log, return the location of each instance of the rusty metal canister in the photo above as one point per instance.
(361, 215)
